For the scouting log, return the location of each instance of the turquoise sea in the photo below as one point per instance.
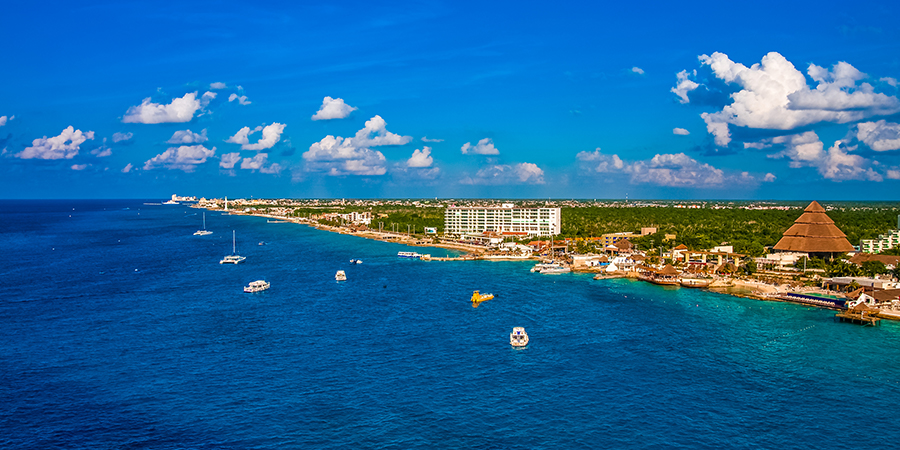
(120, 330)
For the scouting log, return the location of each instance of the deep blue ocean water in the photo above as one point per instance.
(120, 329)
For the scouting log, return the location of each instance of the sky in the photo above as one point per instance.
(451, 99)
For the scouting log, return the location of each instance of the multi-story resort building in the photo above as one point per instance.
(504, 219)
(884, 241)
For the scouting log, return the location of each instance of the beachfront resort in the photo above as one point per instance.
(812, 262)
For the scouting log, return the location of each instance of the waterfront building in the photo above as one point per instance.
(884, 242)
(504, 219)
(815, 233)
(612, 238)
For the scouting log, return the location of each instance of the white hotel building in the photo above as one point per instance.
(462, 220)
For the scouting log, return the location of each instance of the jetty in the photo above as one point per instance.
(860, 314)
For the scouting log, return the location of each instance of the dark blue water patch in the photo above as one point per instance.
(122, 330)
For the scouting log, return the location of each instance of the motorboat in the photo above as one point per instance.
(544, 265)
(233, 258)
(409, 255)
(256, 286)
(340, 276)
(355, 261)
(477, 298)
(204, 231)
(518, 337)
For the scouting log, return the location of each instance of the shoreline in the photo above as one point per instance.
(735, 287)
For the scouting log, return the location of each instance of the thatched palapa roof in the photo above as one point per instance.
(814, 232)
(668, 270)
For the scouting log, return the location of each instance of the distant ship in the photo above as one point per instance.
(413, 255)
(340, 276)
(233, 258)
(170, 202)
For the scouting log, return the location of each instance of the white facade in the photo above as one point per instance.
(460, 220)
(884, 241)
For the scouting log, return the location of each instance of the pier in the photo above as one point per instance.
(860, 315)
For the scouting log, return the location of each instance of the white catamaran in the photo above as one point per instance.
(233, 258)
(204, 231)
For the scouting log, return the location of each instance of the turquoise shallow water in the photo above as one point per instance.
(121, 330)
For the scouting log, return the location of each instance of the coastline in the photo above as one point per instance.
(734, 287)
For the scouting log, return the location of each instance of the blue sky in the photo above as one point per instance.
(779, 100)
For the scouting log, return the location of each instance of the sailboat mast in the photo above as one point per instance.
(233, 248)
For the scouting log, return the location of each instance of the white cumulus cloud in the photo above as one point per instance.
(840, 165)
(775, 95)
(836, 163)
(242, 99)
(637, 70)
(684, 85)
(352, 156)
(102, 151)
(425, 139)
(333, 108)
(880, 136)
(185, 158)
(271, 134)
(79, 166)
(258, 162)
(769, 178)
(229, 160)
(680, 131)
(64, 146)
(188, 137)
(604, 163)
(3, 120)
(483, 147)
(127, 168)
(217, 85)
(119, 137)
(504, 174)
(179, 110)
(420, 158)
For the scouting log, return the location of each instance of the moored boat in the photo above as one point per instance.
(204, 231)
(413, 255)
(340, 276)
(696, 282)
(518, 337)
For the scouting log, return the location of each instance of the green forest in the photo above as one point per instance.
(749, 231)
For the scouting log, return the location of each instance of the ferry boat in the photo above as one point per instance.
(256, 286)
(204, 231)
(413, 255)
(340, 276)
(518, 337)
(233, 258)
(477, 298)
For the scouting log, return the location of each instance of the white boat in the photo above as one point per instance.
(233, 258)
(170, 202)
(518, 337)
(409, 255)
(256, 286)
(340, 276)
(355, 261)
(543, 265)
(555, 270)
(204, 231)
